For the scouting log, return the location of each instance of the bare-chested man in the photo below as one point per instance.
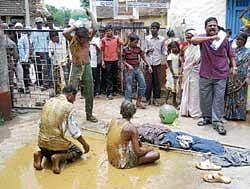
(81, 71)
(123, 145)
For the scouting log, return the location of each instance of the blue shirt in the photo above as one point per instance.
(23, 48)
(40, 41)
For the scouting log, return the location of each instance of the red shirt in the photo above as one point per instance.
(110, 47)
(131, 55)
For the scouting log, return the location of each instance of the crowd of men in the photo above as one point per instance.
(203, 72)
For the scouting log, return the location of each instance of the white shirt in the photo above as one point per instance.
(156, 43)
(93, 52)
(57, 52)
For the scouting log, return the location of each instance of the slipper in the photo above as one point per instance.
(208, 166)
(216, 177)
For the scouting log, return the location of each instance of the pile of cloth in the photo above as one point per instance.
(159, 134)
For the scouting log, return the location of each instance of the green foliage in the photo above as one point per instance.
(60, 14)
(84, 3)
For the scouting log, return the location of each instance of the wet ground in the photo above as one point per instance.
(174, 170)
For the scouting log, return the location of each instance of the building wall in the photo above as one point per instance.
(195, 12)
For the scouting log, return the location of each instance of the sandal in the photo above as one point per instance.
(219, 127)
(204, 122)
(207, 165)
(216, 177)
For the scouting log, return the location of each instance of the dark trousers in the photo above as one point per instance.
(26, 72)
(111, 75)
(43, 68)
(153, 82)
(96, 72)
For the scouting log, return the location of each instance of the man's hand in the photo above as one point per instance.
(150, 69)
(234, 72)
(130, 68)
(86, 148)
(215, 37)
(247, 81)
(103, 64)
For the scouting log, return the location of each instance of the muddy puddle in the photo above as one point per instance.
(94, 171)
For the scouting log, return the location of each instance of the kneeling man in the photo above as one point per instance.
(57, 117)
(123, 145)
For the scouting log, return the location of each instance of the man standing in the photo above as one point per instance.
(110, 47)
(214, 71)
(154, 45)
(23, 51)
(57, 117)
(81, 68)
(40, 42)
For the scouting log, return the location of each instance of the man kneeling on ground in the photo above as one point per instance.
(123, 145)
(57, 117)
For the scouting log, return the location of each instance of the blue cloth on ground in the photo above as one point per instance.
(198, 144)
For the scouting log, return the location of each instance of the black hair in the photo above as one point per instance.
(82, 32)
(108, 27)
(133, 37)
(209, 20)
(155, 24)
(229, 31)
(221, 28)
(242, 36)
(69, 89)
(102, 29)
(53, 34)
(170, 33)
(50, 18)
(128, 109)
(174, 44)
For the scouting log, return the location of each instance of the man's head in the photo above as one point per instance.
(109, 30)
(246, 30)
(102, 31)
(54, 36)
(82, 35)
(66, 23)
(211, 26)
(127, 110)
(39, 23)
(189, 33)
(241, 40)
(170, 33)
(155, 26)
(70, 92)
(50, 21)
(133, 40)
(229, 32)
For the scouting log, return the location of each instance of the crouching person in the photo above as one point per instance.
(57, 117)
(123, 145)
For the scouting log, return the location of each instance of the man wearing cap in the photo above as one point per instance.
(23, 50)
(40, 42)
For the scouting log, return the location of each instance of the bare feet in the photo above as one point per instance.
(38, 160)
(56, 163)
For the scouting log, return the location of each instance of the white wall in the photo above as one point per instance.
(195, 13)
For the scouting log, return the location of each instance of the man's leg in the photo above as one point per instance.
(156, 84)
(109, 80)
(129, 81)
(206, 99)
(88, 92)
(148, 79)
(218, 105)
(38, 157)
(149, 157)
(72, 154)
(75, 74)
(141, 87)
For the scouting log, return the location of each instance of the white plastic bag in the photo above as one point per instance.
(32, 73)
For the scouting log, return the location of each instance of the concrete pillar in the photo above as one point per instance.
(5, 96)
